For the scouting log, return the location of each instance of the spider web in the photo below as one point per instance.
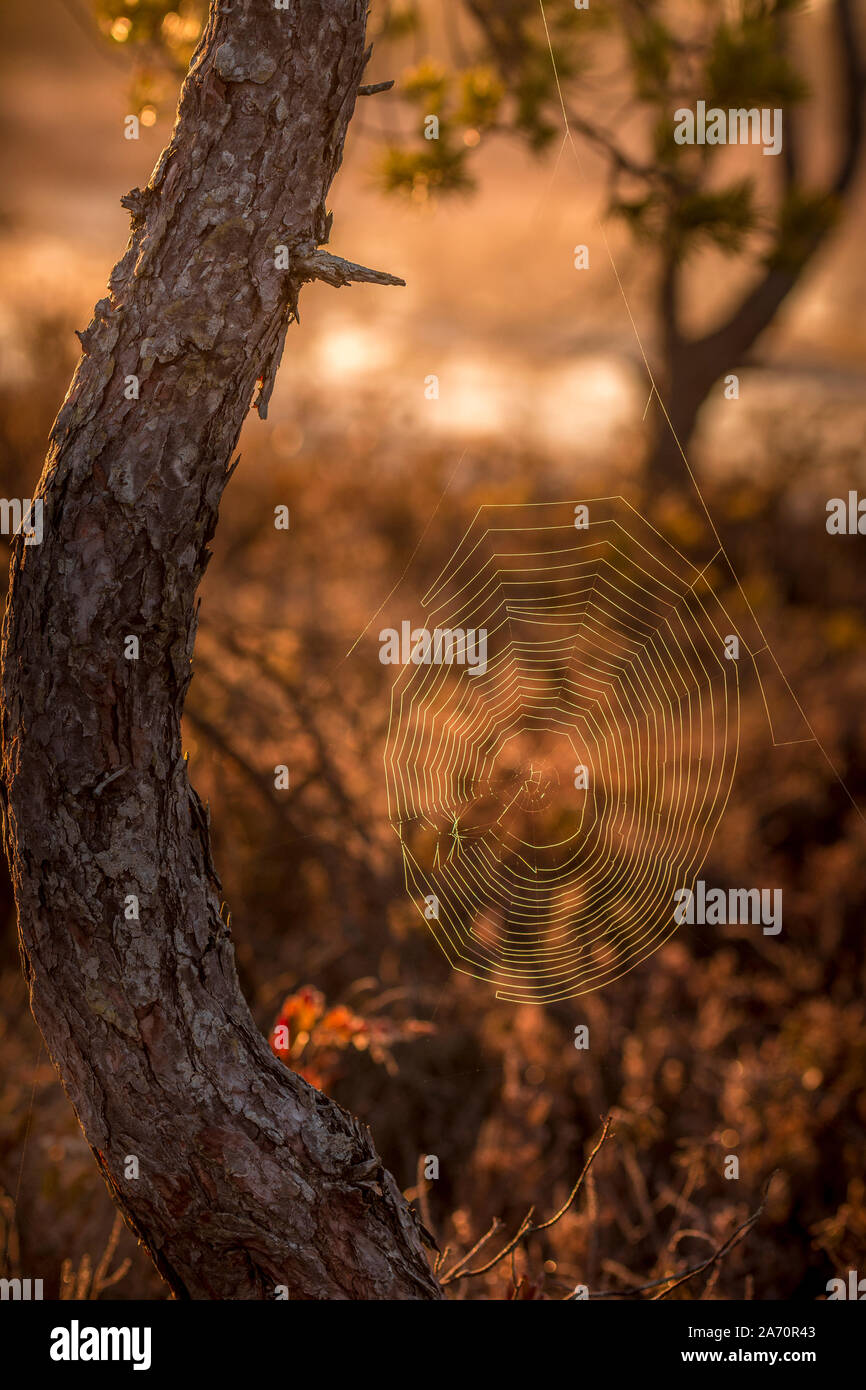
(549, 806)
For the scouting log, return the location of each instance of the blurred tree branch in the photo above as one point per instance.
(506, 79)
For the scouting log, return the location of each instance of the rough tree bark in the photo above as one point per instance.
(248, 1178)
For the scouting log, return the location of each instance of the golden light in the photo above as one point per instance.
(120, 30)
(180, 30)
(349, 349)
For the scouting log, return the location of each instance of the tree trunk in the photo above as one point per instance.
(693, 366)
(247, 1177)
(665, 470)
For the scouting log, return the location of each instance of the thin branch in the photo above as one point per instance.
(263, 665)
(102, 1279)
(673, 1281)
(577, 1186)
(482, 1241)
(523, 1229)
(734, 1239)
(526, 1227)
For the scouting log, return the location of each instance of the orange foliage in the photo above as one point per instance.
(309, 1037)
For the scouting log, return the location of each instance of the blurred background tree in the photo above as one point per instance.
(615, 72)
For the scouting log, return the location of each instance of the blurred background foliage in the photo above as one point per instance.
(724, 1042)
(613, 74)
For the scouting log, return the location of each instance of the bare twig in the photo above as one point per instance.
(101, 1277)
(526, 1227)
(605, 1133)
(673, 1281)
(87, 1282)
(482, 1241)
(523, 1229)
(729, 1244)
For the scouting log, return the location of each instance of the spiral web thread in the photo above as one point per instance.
(549, 807)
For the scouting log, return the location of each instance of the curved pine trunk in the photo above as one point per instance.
(248, 1178)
